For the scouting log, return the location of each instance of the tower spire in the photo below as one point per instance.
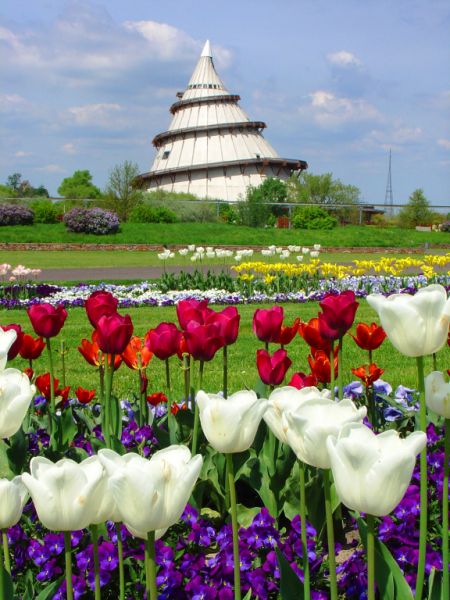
(388, 197)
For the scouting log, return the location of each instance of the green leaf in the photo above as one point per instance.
(389, 578)
(291, 588)
(8, 591)
(246, 515)
(5, 469)
(248, 595)
(17, 452)
(435, 591)
(49, 590)
(68, 426)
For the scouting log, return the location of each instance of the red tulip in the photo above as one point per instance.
(164, 340)
(203, 341)
(15, 348)
(319, 364)
(47, 320)
(338, 315)
(31, 348)
(29, 373)
(368, 374)
(228, 320)
(132, 352)
(300, 380)
(287, 334)
(272, 368)
(192, 310)
(84, 396)
(93, 355)
(369, 337)
(43, 385)
(311, 334)
(177, 407)
(114, 333)
(100, 304)
(182, 348)
(157, 398)
(267, 323)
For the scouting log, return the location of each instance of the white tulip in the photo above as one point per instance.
(372, 472)
(317, 247)
(182, 251)
(309, 426)
(287, 398)
(416, 325)
(152, 494)
(16, 393)
(230, 424)
(299, 257)
(105, 505)
(305, 250)
(63, 493)
(7, 339)
(191, 247)
(13, 495)
(437, 394)
(314, 254)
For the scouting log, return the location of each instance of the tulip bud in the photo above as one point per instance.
(47, 320)
(7, 339)
(164, 340)
(437, 394)
(14, 349)
(13, 495)
(203, 341)
(338, 314)
(16, 393)
(267, 323)
(114, 333)
(272, 368)
(100, 304)
(31, 348)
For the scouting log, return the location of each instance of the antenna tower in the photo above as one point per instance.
(388, 197)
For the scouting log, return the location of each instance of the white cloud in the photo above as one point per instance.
(96, 115)
(12, 103)
(22, 154)
(344, 59)
(69, 148)
(51, 168)
(329, 110)
(444, 143)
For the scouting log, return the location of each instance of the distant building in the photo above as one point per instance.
(212, 149)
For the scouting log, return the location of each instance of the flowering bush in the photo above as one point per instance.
(92, 220)
(14, 214)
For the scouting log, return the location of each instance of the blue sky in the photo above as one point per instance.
(87, 84)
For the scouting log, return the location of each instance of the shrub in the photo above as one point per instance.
(445, 226)
(144, 213)
(46, 211)
(14, 214)
(91, 220)
(312, 217)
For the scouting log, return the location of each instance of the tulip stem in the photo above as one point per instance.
(121, 566)
(330, 534)
(445, 531)
(101, 373)
(109, 371)
(370, 557)
(234, 523)
(68, 557)
(63, 362)
(170, 415)
(187, 372)
(50, 368)
(225, 371)
(306, 585)
(94, 534)
(6, 551)
(423, 484)
(333, 396)
(196, 412)
(150, 562)
(340, 370)
(434, 362)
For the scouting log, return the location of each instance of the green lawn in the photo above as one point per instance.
(224, 234)
(71, 259)
(242, 368)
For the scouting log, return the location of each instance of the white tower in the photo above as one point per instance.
(211, 148)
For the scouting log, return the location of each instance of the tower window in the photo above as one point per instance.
(165, 154)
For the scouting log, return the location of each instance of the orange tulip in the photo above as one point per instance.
(134, 351)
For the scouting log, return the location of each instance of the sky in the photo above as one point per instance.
(88, 84)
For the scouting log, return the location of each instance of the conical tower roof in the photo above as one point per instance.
(212, 148)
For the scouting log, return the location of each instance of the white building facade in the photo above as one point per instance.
(212, 149)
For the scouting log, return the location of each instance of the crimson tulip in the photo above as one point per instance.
(267, 323)
(84, 396)
(338, 314)
(157, 398)
(100, 304)
(310, 333)
(369, 337)
(203, 341)
(31, 348)
(228, 320)
(192, 310)
(319, 363)
(272, 368)
(133, 351)
(114, 333)
(287, 334)
(368, 375)
(43, 385)
(300, 380)
(15, 348)
(163, 340)
(47, 320)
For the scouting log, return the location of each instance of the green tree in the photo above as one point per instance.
(79, 185)
(308, 188)
(121, 194)
(255, 210)
(13, 181)
(416, 211)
